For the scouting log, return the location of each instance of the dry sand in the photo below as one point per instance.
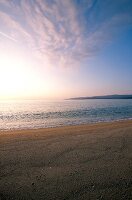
(68, 163)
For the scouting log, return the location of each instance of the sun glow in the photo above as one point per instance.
(21, 76)
(15, 75)
(11, 73)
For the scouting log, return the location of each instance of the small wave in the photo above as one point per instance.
(65, 115)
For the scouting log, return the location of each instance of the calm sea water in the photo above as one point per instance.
(41, 114)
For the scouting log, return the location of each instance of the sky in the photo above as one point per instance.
(56, 49)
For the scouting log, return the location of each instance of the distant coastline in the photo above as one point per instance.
(116, 96)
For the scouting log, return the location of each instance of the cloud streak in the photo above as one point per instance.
(8, 37)
(63, 32)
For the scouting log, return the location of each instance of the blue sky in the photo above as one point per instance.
(65, 48)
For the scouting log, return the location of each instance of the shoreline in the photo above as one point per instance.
(64, 126)
(92, 161)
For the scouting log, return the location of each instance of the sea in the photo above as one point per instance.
(33, 114)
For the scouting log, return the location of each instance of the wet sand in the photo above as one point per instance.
(68, 163)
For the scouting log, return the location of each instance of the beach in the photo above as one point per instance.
(80, 162)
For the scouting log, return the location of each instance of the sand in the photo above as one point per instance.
(67, 163)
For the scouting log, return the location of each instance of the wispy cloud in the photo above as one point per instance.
(8, 37)
(63, 32)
